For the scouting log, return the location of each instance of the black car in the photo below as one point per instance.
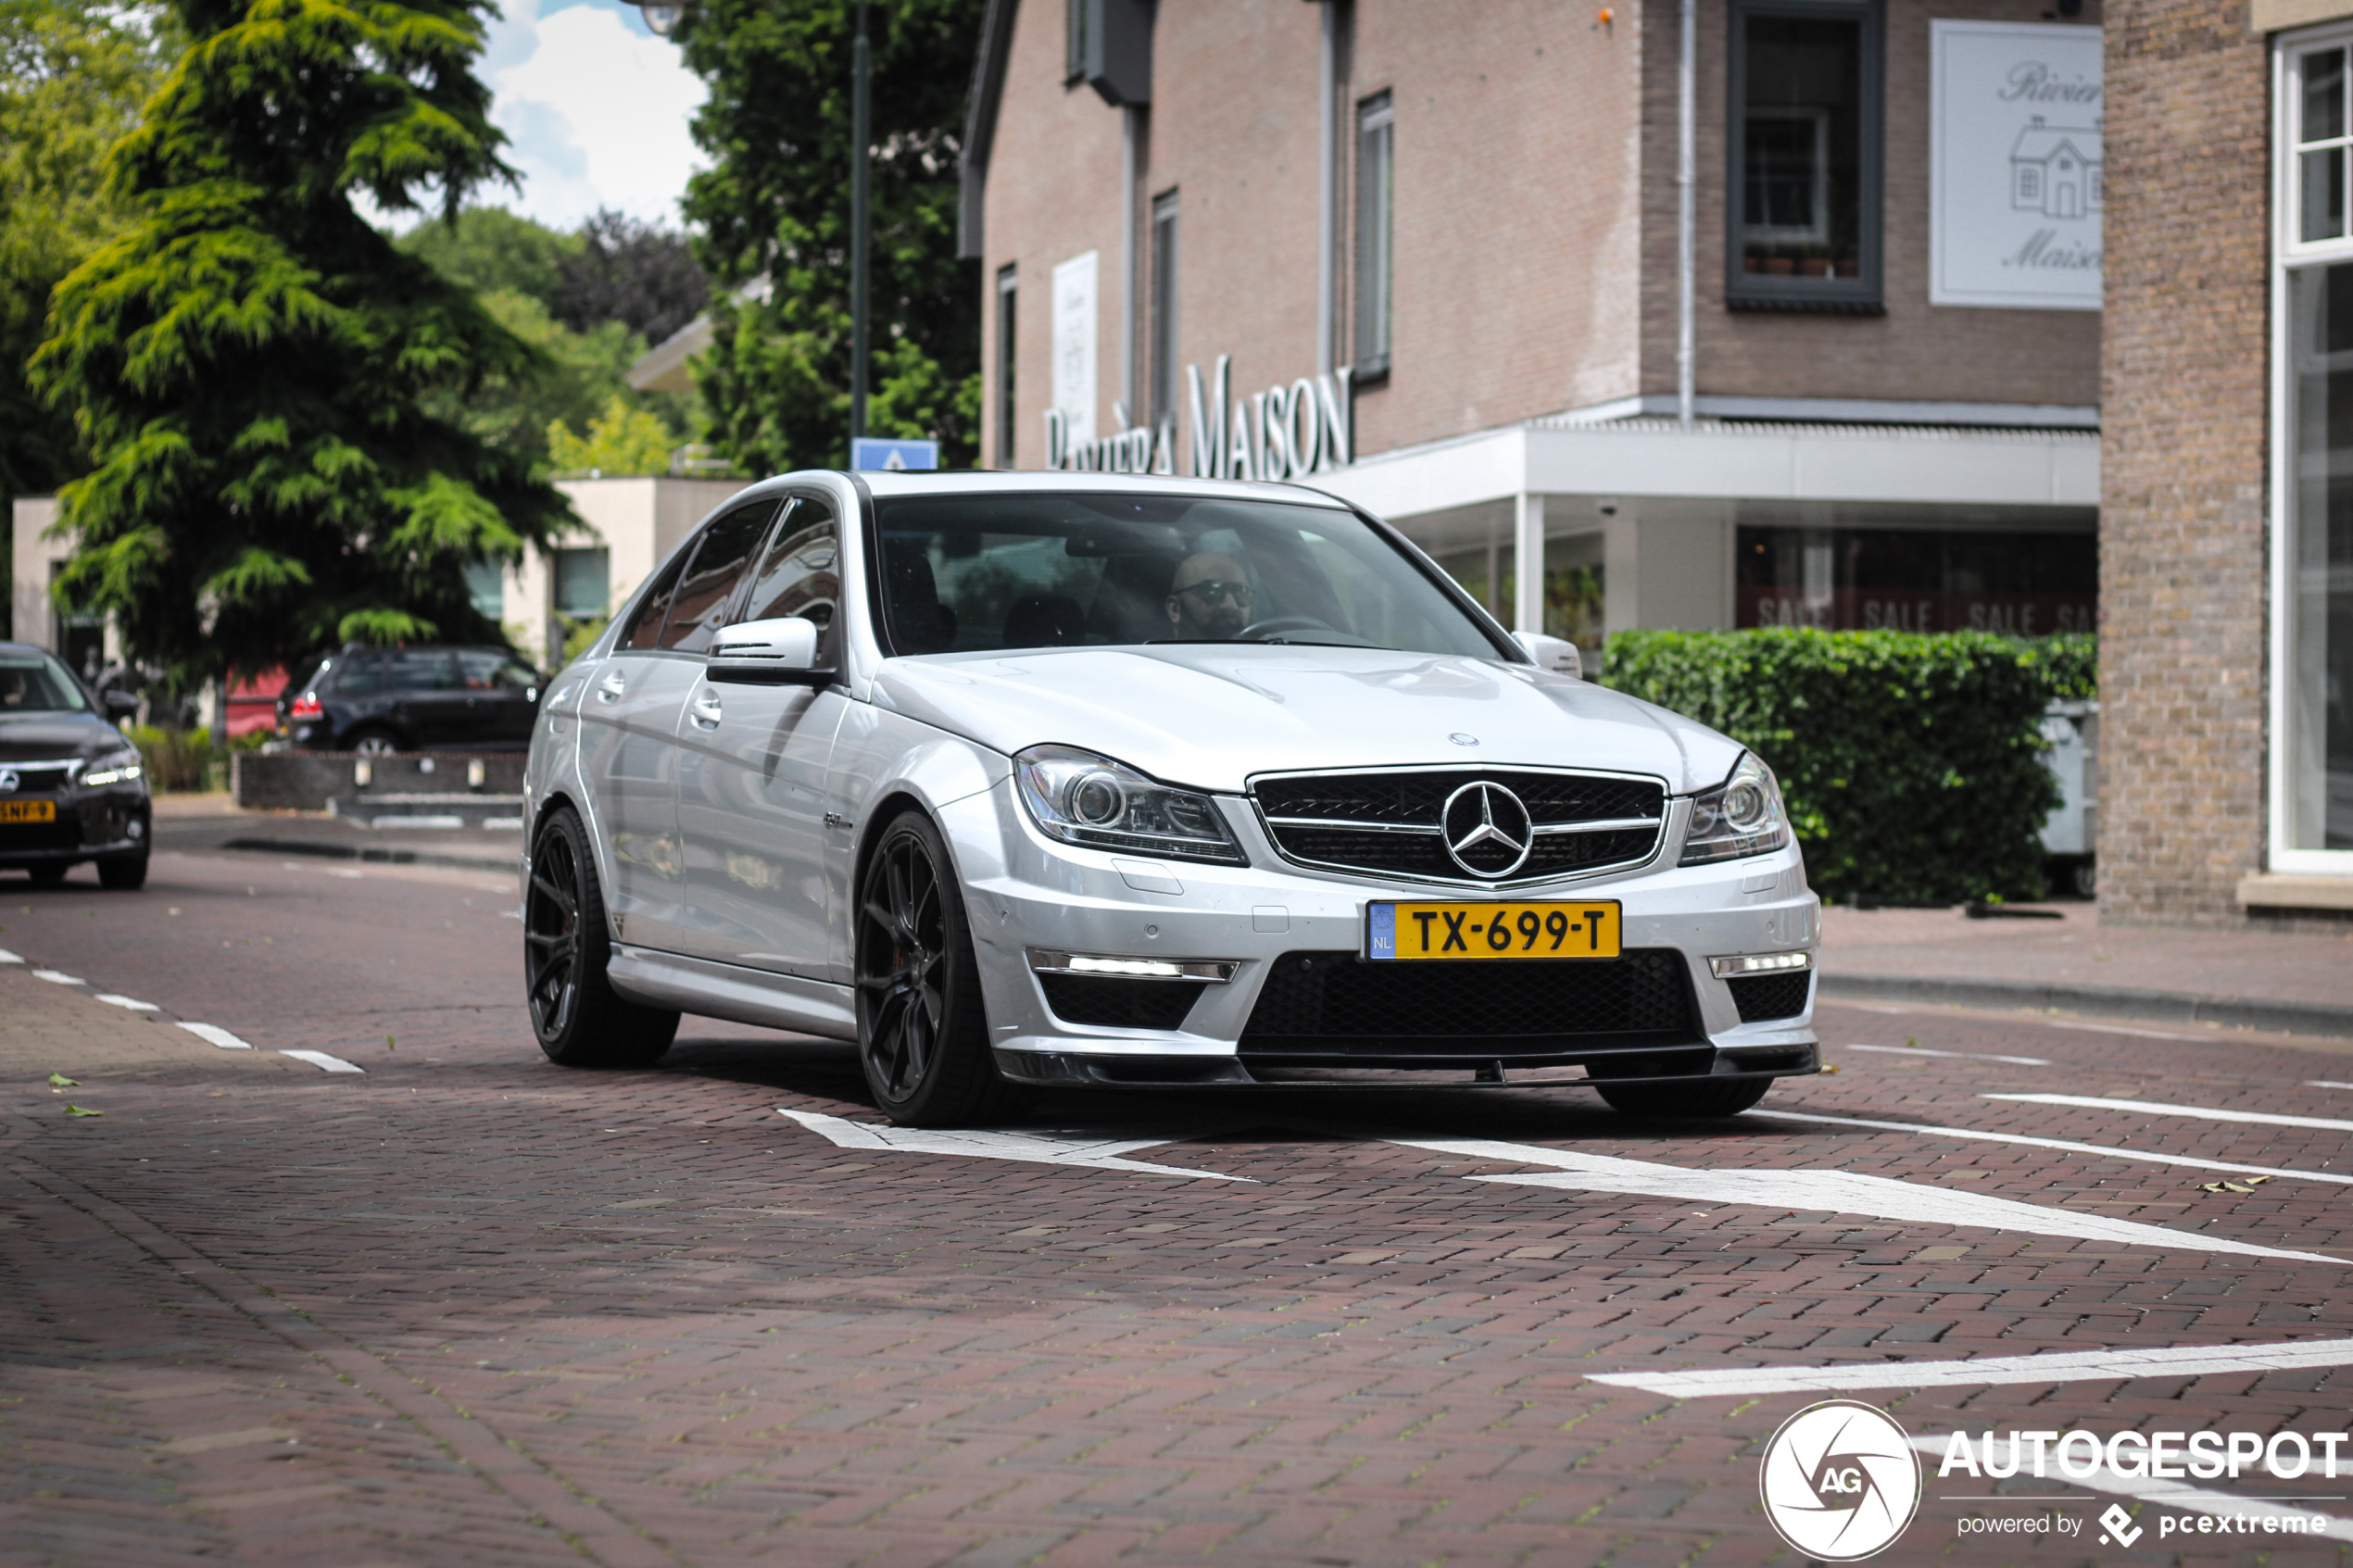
(72, 787)
(376, 700)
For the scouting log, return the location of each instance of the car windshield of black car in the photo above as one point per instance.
(37, 683)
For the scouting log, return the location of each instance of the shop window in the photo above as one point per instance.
(2311, 761)
(487, 588)
(1074, 39)
(2022, 583)
(1805, 141)
(1376, 182)
(1163, 307)
(1008, 296)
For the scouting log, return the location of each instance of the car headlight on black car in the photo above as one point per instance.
(114, 768)
(1741, 816)
(1081, 799)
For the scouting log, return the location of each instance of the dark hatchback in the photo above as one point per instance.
(377, 700)
(72, 787)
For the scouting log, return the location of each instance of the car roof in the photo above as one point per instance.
(886, 483)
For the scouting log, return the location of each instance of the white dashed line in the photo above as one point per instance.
(2071, 1366)
(7, 956)
(2103, 1150)
(215, 1034)
(1963, 1055)
(1838, 1192)
(2151, 1108)
(324, 1062)
(114, 1001)
(56, 977)
(2165, 1494)
(2326, 1084)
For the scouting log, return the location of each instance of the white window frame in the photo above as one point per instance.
(2290, 254)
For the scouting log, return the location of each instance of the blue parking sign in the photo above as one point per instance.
(896, 457)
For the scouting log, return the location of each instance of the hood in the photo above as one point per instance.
(1211, 715)
(32, 737)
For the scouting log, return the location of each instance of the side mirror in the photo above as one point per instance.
(1556, 654)
(768, 653)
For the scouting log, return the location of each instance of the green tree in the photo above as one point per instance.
(487, 249)
(72, 75)
(250, 364)
(622, 440)
(775, 205)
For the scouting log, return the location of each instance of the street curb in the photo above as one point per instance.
(378, 857)
(2104, 1001)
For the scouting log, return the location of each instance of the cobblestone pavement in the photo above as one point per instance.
(465, 1306)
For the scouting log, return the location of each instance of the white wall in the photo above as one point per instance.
(29, 561)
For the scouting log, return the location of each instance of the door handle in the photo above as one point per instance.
(611, 688)
(705, 709)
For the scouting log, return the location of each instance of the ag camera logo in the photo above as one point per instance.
(1840, 1481)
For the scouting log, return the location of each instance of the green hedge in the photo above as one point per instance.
(1912, 764)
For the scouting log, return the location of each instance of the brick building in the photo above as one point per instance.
(2226, 556)
(1435, 252)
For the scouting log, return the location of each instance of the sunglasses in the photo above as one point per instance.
(1214, 593)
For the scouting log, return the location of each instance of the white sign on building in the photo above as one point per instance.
(1074, 318)
(2015, 163)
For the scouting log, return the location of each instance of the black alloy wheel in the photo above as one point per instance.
(1705, 1097)
(373, 741)
(923, 1029)
(580, 1019)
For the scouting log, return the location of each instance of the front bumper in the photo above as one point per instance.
(89, 824)
(1030, 898)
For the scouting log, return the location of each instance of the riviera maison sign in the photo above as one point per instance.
(2015, 166)
(1283, 432)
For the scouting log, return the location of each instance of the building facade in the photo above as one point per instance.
(1432, 255)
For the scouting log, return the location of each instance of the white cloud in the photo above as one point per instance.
(595, 107)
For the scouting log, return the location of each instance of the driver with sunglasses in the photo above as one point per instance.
(1209, 599)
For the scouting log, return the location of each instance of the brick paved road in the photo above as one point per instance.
(468, 1308)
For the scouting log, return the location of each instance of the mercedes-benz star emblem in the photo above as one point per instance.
(10, 781)
(1487, 829)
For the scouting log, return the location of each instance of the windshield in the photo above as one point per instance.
(979, 573)
(33, 682)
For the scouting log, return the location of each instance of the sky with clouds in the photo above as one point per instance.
(595, 108)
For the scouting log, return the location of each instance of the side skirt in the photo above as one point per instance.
(739, 995)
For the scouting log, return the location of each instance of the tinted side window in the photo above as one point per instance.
(358, 674)
(709, 586)
(644, 630)
(802, 575)
(487, 669)
(420, 669)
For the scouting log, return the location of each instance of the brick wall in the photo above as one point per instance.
(2182, 462)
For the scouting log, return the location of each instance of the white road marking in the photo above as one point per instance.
(2103, 1150)
(1042, 1149)
(2064, 1366)
(2152, 1108)
(213, 1034)
(1843, 1192)
(333, 872)
(7, 956)
(2326, 1084)
(114, 1001)
(2165, 1494)
(324, 1062)
(1964, 1056)
(55, 977)
(2022, 1017)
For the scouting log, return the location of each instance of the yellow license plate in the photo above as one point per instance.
(28, 811)
(1453, 930)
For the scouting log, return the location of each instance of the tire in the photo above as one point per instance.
(124, 873)
(372, 741)
(579, 1019)
(923, 1029)
(1722, 1097)
(49, 873)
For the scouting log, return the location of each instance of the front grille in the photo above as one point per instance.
(1103, 1001)
(1391, 823)
(1327, 1004)
(1763, 996)
(49, 777)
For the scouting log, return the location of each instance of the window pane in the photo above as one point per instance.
(802, 575)
(1375, 186)
(705, 593)
(584, 582)
(2319, 682)
(2019, 583)
(1802, 147)
(644, 630)
(486, 587)
(2323, 194)
(420, 669)
(487, 669)
(2323, 95)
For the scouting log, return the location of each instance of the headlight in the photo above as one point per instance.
(1079, 797)
(115, 767)
(1741, 816)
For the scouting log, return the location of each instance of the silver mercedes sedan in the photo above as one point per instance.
(1025, 779)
